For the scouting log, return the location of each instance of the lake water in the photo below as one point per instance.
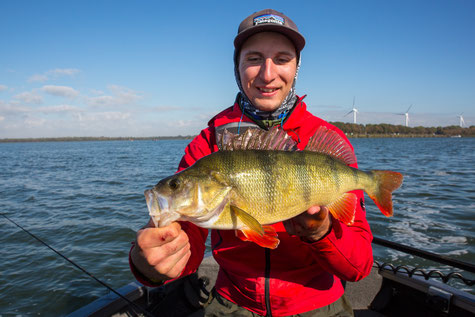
(86, 200)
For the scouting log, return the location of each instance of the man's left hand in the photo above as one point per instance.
(311, 225)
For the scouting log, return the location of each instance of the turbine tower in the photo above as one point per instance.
(354, 111)
(406, 114)
(462, 123)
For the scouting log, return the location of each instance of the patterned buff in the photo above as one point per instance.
(266, 118)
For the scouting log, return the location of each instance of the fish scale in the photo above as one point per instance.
(277, 185)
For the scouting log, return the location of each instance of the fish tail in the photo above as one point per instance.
(381, 194)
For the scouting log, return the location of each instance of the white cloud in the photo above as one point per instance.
(59, 108)
(96, 92)
(34, 122)
(29, 97)
(53, 74)
(62, 91)
(119, 96)
(13, 107)
(38, 78)
(3, 87)
(64, 71)
(102, 116)
(2, 118)
(167, 108)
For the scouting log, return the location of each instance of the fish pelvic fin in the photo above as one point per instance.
(267, 240)
(329, 142)
(248, 220)
(387, 182)
(265, 236)
(344, 208)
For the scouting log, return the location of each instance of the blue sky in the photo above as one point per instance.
(154, 68)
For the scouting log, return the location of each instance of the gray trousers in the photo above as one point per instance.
(218, 306)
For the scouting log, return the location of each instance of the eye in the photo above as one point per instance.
(174, 183)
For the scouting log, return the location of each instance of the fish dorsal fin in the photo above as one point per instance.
(256, 139)
(329, 142)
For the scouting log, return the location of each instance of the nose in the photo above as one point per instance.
(268, 70)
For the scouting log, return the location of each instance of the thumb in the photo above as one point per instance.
(314, 210)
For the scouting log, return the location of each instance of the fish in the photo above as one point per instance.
(259, 178)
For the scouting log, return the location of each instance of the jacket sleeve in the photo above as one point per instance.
(199, 147)
(346, 251)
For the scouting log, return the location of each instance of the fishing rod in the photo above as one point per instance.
(82, 269)
(426, 255)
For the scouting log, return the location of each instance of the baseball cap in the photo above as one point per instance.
(269, 20)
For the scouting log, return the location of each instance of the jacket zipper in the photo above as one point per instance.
(267, 276)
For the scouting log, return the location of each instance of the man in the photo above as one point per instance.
(316, 252)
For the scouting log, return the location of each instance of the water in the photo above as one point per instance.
(86, 200)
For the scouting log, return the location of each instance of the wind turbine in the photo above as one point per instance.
(406, 114)
(462, 123)
(354, 111)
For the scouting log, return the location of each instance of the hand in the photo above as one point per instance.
(161, 254)
(311, 225)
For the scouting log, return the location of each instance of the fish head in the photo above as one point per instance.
(194, 197)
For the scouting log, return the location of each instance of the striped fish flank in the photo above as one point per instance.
(260, 178)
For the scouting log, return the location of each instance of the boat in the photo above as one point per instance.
(388, 291)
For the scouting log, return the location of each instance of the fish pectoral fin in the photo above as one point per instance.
(267, 240)
(344, 208)
(248, 220)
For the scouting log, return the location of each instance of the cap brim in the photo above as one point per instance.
(295, 37)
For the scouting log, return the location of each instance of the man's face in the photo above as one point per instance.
(267, 66)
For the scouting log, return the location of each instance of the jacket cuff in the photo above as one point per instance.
(138, 275)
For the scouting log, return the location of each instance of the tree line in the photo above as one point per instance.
(395, 130)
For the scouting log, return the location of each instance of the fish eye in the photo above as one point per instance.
(174, 183)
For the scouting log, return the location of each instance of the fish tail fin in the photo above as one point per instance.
(267, 240)
(386, 183)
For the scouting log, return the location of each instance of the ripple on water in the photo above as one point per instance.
(86, 199)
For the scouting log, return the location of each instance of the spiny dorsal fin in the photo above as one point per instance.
(256, 139)
(329, 142)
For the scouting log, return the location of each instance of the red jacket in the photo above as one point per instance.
(297, 276)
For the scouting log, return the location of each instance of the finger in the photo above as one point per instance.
(292, 226)
(288, 227)
(154, 237)
(167, 250)
(173, 265)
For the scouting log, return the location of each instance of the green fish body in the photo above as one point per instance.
(247, 186)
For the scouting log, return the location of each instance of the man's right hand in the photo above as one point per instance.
(161, 254)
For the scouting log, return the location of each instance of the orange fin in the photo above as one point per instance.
(388, 182)
(344, 208)
(248, 220)
(267, 240)
(329, 142)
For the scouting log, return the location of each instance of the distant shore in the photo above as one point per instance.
(352, 130)
(190, 137)
(101, 138)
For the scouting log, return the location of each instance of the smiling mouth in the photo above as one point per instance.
(267, 90)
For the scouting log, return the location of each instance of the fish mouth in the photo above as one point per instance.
(156, 205)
